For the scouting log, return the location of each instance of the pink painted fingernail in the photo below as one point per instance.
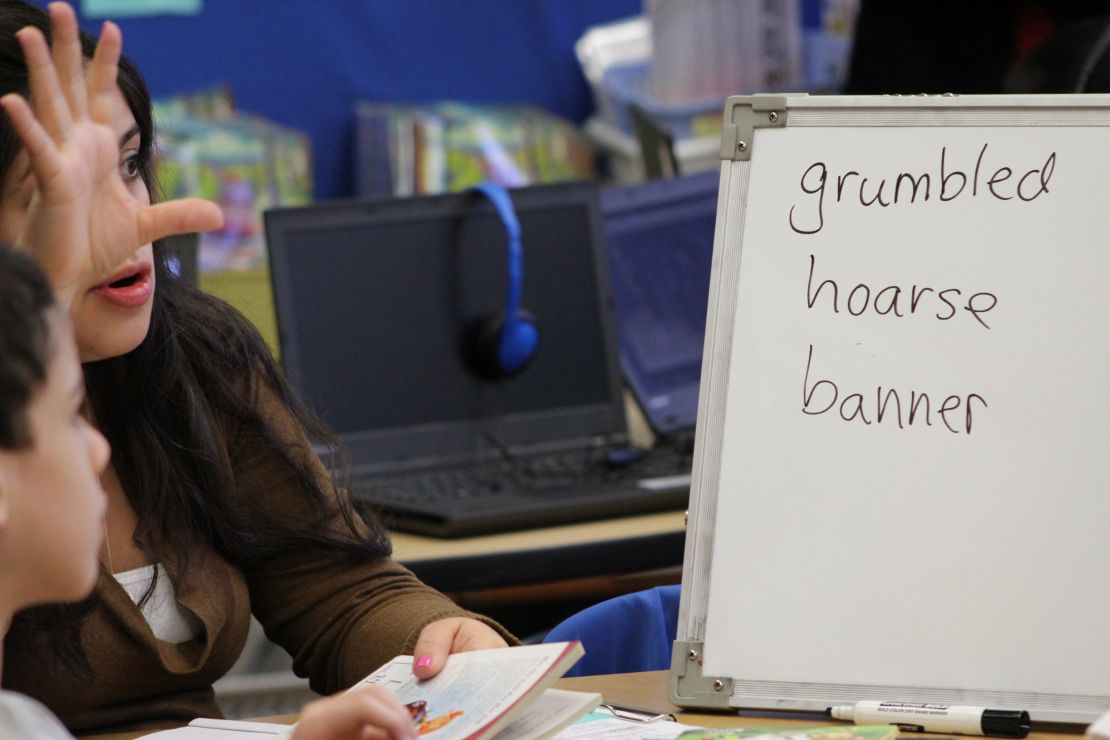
(423, 660)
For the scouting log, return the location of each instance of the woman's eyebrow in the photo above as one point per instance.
(131, 132)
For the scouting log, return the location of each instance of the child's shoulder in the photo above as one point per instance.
(22, 716)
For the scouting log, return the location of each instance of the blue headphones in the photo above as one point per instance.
(505, 344)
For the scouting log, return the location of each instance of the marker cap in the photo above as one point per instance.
(1005, 723)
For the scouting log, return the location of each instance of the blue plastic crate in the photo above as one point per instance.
(625, 84)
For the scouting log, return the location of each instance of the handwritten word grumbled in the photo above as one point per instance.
(906, 188)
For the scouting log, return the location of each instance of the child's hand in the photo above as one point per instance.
(371, 712)
(83, 221)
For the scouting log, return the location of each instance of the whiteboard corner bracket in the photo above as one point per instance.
(743, 115)
(688, 687)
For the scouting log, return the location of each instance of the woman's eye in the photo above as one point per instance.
(129, 168)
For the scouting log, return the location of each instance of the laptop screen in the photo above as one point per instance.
(376, 302)
(660, 241)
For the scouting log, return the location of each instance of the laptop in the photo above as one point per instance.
(375, 301)
(659, 237)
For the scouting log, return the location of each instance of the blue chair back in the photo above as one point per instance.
(625, 634)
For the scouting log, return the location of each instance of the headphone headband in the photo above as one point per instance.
(515, 337)
(499, 196)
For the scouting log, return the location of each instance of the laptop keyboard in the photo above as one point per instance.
(503, 495)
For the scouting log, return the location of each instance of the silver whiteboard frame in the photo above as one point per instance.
(744, 117)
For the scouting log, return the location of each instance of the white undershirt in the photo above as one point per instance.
(22, 716)
(168, 620)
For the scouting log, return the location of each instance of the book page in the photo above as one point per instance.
(551, 712)
(476, 690)
(204, 728)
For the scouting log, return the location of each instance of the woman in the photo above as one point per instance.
(217, 506)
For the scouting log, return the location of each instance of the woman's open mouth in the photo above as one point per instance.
(129, 288)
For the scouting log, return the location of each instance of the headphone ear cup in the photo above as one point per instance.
(484, 348)
(501, 351)
(520, 339)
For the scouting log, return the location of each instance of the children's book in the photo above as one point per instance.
(503, 693)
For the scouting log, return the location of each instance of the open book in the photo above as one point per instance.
(502, 693)
(487, 692)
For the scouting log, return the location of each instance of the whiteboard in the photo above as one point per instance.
(901, 473)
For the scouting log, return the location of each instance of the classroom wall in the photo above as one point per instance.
(303, 63)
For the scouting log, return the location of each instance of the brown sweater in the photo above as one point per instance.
(340, 618)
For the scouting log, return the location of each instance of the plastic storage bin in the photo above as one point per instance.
(626, 86)
(624, 155)
(617, 44)
(615, 60)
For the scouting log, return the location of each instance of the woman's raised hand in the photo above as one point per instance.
(83, 221)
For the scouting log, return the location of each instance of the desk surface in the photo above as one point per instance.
(606, 547)
(649, 691)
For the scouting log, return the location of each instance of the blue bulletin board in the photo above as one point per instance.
(304, 64)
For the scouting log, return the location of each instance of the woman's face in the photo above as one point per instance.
(111, 312)
(52, 507)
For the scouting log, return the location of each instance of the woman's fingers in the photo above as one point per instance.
(448, 636)
(46, 95)
(68, 59)
(182, 216)
(45, 160)
(100, 79)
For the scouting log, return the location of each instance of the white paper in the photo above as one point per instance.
(603, 725)
(222, 729)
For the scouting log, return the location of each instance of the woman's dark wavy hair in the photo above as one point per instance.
(178, 408)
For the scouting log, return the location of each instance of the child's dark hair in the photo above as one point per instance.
(25, 296)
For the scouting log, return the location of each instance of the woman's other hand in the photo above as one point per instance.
(82, 220)
(371, 712)
(447, 636)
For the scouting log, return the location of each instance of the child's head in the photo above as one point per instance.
(51, 504)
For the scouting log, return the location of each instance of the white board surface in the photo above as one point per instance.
(965, 546)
